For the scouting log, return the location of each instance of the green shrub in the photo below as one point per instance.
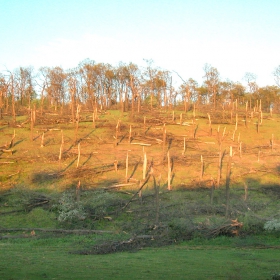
(252, 224)
(276, 276)
(100, 202)
(69, 209)
(273, 225)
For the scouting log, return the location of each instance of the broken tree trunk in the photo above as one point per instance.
(131, 199)
(93, 120)
(210, 124)
(11, 145)
(272, 141)
(79, 154)
(220, 166)
(31, 124)
(184, 149)
(42, 139)
(240, 149)
(168, 172)
(130, 132)
(61, 148)
(201, 168)
(144, 165)
(163, 137)
(126, 168)
(156, 188)
(228, 181)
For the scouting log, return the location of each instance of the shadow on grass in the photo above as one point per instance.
(18, 142)
(78, 141)
(278, 169)
(42, 177)
(90, 156)
(122, 138)
(69, 165)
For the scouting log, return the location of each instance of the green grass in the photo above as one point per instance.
(220, 258)
(36, 218)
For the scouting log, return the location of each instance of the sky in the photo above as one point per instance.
(233, 36)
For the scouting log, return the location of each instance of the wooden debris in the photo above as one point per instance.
(231, 228)
(74, 231)
(141, 144)
(6, 151)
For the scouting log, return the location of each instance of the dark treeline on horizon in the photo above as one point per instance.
(127, 87)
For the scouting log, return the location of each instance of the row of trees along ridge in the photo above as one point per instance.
(126, 87)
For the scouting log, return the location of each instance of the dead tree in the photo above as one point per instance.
(168, 172)
(228, 181)
(156, 188)
(79, 154)
(210, 124)
(163, 137)
(144, 164)
(221, 156)
(126, 168)
(201, 168)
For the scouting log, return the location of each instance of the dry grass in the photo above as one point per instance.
(37, 166)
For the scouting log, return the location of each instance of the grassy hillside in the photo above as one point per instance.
(70, 191)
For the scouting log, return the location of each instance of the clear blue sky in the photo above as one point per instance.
(232, 35)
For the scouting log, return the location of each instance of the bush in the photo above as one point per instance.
(252, 224)
(273, 225)
(276, 276)
(69, 209)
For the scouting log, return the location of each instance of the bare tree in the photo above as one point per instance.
(24, 85)
(3, 93)
(88, 80)
(212, 80)
(134, 84)
(11, 91)
(56, 82)
(251, 78)
(276, 74)
(121, 83)
(253, 88)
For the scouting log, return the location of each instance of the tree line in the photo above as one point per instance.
(126, 87)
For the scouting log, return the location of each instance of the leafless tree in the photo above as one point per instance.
(212, 79)
(276, 74)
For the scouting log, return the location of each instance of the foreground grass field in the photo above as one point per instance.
(220, 258)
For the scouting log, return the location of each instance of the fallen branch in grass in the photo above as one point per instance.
(146, 181)
(38, 204)
(11, 175)
(133, 244)
(73, 231)
(230, 228)
(141, 144)
(11, 212)
(15, 236)
(6, 151)
(118, 186)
